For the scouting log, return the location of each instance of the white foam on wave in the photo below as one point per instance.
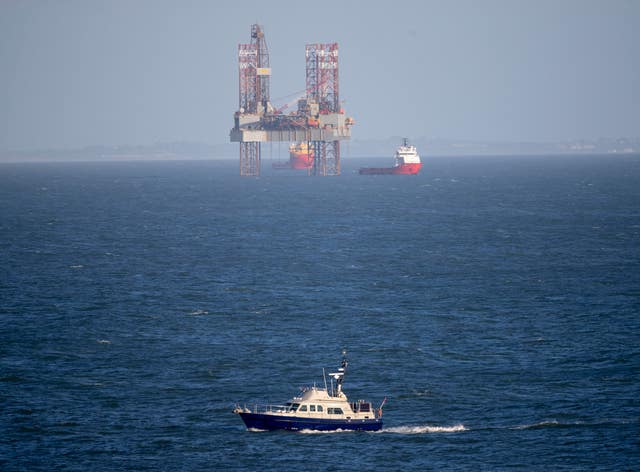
(199, 312)
(103, 341)
(257, 430)
(424, 429)
(334, 431)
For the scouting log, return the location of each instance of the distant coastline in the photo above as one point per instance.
(371, 148)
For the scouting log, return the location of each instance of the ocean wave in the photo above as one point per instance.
(199, 312)
(545, 424)
(575, 424)
(416, 393)
(424, 429)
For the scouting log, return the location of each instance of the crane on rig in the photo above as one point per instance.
(291, 103)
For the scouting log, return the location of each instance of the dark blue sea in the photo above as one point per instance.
(495, 301)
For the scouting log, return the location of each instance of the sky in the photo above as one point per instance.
(76, 73)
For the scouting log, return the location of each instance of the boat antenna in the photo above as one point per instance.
(325, 380)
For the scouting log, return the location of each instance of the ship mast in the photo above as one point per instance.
(339, 376)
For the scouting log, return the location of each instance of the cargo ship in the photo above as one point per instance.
(300, 156)
(407, 162)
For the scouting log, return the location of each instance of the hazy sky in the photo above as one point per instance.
(76, 73)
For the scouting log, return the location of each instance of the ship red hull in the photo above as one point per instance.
(300, 161)
(404, 169)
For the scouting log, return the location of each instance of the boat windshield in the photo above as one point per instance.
(293, 406)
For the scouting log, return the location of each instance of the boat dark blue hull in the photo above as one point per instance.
(273, 422)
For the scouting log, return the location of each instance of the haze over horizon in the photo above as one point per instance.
(79, 73)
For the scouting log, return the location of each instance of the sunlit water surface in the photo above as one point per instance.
(494, 301)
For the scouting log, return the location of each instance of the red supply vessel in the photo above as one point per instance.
(407, 162)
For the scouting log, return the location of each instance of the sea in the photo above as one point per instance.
(494, 301)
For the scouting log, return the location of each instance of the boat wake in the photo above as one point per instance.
(313, 431)
(424, 429)
(430, 429)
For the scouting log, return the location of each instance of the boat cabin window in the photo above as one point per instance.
(319, 407)
(293, 406)
(312, 408)
(334, 411)
(303, 408)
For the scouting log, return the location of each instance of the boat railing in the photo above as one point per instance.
(361, 407)
(265, 408)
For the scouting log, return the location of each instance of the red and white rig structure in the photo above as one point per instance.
(319, 120)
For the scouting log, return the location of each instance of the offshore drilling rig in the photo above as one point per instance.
(319, 120)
